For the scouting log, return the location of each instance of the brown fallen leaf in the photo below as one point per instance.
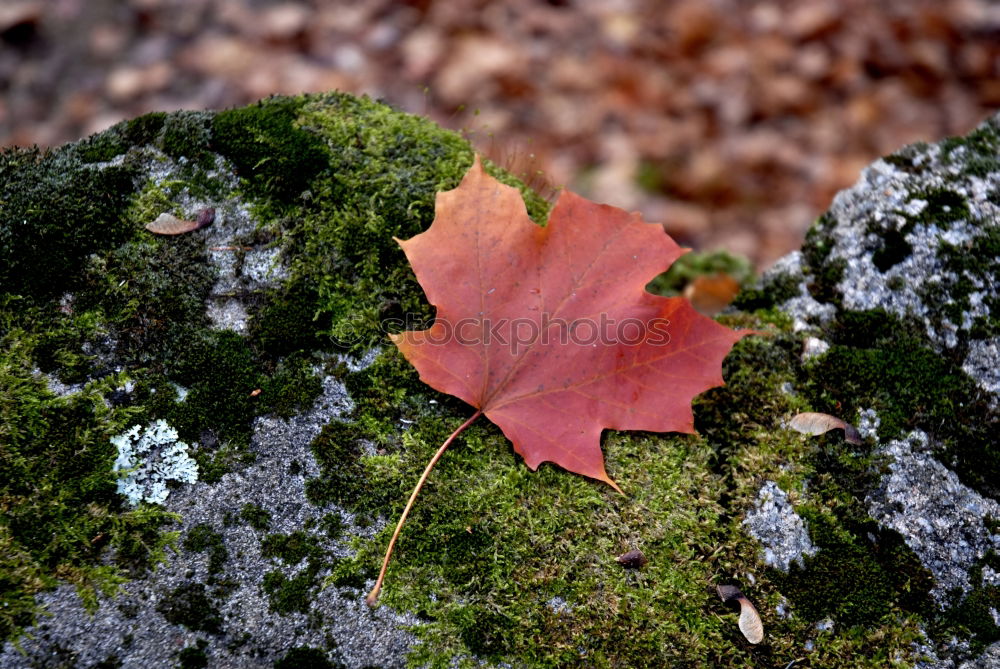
(820, 423)
(634, 559)
(750, 623)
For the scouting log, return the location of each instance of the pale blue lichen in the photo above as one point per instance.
(148, 460)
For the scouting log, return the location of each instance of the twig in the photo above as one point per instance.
(373, 595)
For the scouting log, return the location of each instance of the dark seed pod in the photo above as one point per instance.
(205, 217)
(634, 559)
(750, 622)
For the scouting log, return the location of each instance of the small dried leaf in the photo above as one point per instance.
(168, 224)
(711, 294)
(634, 559)
(821, 423)
(255, 392)
(750, 623)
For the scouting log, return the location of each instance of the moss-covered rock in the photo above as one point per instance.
(261, 339)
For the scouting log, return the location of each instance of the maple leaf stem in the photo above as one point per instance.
(373, 595)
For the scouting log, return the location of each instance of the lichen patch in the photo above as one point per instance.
(774, 523)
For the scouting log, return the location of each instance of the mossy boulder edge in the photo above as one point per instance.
(261, 339)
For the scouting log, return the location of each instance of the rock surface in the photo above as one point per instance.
(916, 242)
(260, 340)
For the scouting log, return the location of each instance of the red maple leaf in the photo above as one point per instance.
(549, 331)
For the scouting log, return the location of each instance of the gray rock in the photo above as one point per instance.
(942, 520)
(916, 236)
(132, 628)
(898, 252)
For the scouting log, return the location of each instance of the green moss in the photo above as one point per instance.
(894, 249)
(772, 291)
(275, 156)
(972, 617)
(818, 244)
(257, 517)
(61, 511)
(381, 184)
(291, 548)
(976, 152)
(55, 213)
(302, 657)
(824, 273)
(825, 279)
(121, 137)
(292, 387)
(189, 605)
(943, 207)
(910, 158)
(289, 319)
(692, 265)
(332, 525)
(973, 264)
(338, 452)
(296, 593)
(491, 542)
(855, 581)
(288, 595)
(837, 476)
(221, 372)
(151, 295)
(194, 657)
(187, 135)
(201, 538)
(877, 361)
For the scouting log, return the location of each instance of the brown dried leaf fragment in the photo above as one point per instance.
(711, 294)
(821, 423)
(750, 623)
(168, 224)
(634, 559)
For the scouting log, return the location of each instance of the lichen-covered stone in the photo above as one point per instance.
(774, 523)
(261, 339)
(896, 290)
